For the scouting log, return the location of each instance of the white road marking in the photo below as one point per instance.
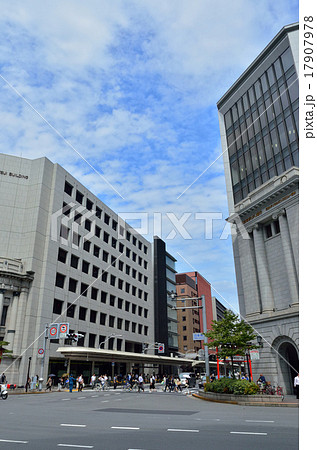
(79, 398)
(75, 446)
(65, 399)
(261, 421)
(179, 429)
(94, 396)
(14, 442)
(125, 428)
(247, 432)
(105, 401)
(72, 425)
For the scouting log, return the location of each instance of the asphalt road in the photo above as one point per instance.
(116, 420)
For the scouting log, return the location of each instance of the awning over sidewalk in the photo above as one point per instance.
(93, 354)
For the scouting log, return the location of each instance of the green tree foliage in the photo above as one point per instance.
(231, 336)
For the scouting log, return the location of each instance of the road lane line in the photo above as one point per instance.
(261, 421)
(14, 442)
(72, 425)
(125, 428)
(105, 401)
(65, 399)
(79, 398)
(75, 446)
(247, 432)
(94, 396)
(186, 431)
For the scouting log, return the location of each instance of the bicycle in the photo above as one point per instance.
(279, 391)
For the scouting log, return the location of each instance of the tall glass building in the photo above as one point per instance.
(258, 119)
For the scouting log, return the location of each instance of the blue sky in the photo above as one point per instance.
(133, 86)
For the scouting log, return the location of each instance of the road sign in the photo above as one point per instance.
(63, 330)
(198, 337)
(53, 331)
(40, 353)
(161, 348)
(235, 358)
(254, 354)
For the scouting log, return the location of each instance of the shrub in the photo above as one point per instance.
(231, 386)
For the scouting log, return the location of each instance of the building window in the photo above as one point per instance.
(103, 317)
(106, 237)
(127, 269)
(140, 309)
(57, 306)
(82, 313)
(184, 328)
(127, 325)
(114, 225)
(60, 280)
(134, 240)
(88, 225)
(72, 285)
(94, 293)
(74, 261)
(184, 338)
(106, 219)
(77, 218)
(79, 197)
(127, 252)
(89, 204)
(64, 232)
(103, 297)
(133, 308)
(140, 328)
(145, 280)
(113, 261)
(104, 277)
(120, 283)
(98, 212)
(183, 291)
(76, 239)
(272, 229)
(120, 303)
(93, 316)
(145, 330)
(184, 318)
(127, 287)
(127, 306)
(145, 313)
(133, 327)
(83, 289)
(114, 243)
(81, 340)
(133, 290)
(112, 280)
(86, 246)
(145, 264)
(96, 251)
(128, 236)
(112, 300)
(121, 247)
(119, 345)
(119, 323)
(62, 255)
(70, 310)
(105, 256)
(111, 321)
(95, 271)
(85, 266)
(145, 249)
(145, 296)
(120, 267)
(68, 188)
(91, 340)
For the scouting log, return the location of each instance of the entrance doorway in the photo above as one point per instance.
(289, 365)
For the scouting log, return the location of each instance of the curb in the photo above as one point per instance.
(246, 403)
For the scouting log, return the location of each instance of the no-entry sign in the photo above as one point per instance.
(53, 331)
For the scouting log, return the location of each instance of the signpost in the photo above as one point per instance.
(40, 353)
(198, 337)
(254, 354)
(53, 331)
(161, 348)
(63, 330)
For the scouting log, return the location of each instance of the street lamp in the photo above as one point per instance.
(259, 339)
(28, 375)
(174, 296)
(109, 337)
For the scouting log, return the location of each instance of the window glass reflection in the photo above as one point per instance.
(287, 59)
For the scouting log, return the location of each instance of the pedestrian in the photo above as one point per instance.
(93, 381)
(80, 383)
(3, 379)
(152, 383)
(27, 384)
(115, 382)
(164, 382)
(49, 384)
(296, 385)
(140, 385)
(212, 378)
(71, 380)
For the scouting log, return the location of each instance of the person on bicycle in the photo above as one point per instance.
(261, 382)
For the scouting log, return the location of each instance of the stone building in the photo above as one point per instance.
(258, 119)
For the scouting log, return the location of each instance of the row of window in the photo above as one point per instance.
(93, 342)
(79, 197)
(83, 288)
(78, 241)
(95, 271)
(113, 301)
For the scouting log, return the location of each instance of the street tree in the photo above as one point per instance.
(231, 336)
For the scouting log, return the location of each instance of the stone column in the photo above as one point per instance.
(12, 319)
(2, 291)
(266, 292)
(288, 256)
(20, 320)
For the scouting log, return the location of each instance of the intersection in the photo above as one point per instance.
(118, 420)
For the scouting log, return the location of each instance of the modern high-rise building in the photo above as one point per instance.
(66, 257)
(165, 316)
(258, 119)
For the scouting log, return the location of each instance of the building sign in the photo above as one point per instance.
(12, 174)
(254, 354)
(198, 337)
(269, 207)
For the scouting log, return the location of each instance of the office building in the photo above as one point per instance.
(66, 257)
(258, 119)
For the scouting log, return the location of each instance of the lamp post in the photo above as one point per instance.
(109, 337)
(28, 375)
(204, 314)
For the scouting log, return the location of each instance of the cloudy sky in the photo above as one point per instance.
(128, 89)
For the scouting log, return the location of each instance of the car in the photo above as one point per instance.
(190, 377)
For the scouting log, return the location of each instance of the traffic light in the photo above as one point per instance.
(73, 336)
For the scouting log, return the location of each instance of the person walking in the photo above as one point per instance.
(93, 381)
(152, 383)
(49, 384)
(80, 383)
(140, 385)
(71, 380)
(3, 379)
(296, 385)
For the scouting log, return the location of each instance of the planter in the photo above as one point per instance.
(240, 399)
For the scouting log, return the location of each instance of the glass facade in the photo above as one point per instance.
(262, 128)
